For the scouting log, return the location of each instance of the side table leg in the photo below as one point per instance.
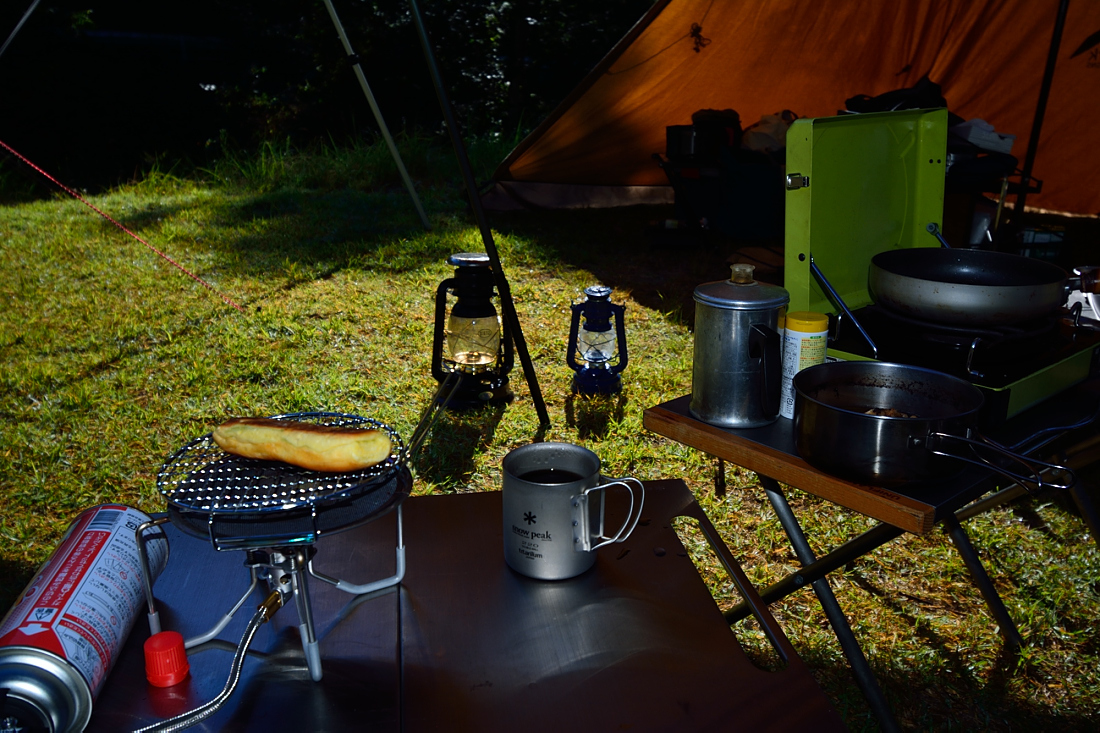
(1085, 505)
(865, 678)
(981, 579)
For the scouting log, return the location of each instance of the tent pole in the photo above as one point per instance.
(19, 25)
(377, 112)
(1040, 109)
(507, 305)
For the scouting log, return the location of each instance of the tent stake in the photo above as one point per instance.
(377, 112)
(507, 306)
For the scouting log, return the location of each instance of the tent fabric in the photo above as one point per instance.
(524, 196)
(808, 56)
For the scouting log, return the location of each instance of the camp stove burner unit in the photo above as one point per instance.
(276, 512)
(1015, 366)
(966, 351)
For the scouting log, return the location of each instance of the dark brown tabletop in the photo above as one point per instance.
(771, 451)
(635, 643)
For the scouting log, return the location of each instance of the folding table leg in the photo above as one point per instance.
(1087, 507)
(982, 580)
(865, 678)
(854, 548)
(720, 478)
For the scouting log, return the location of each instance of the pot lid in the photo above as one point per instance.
(859, 185)
(741, 292)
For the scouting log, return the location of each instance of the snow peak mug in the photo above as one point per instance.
(554, 499)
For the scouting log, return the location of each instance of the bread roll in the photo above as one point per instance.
(308, 445)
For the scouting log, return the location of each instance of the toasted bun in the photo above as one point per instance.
(308, 445)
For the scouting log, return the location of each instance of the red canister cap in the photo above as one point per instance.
(165, 659)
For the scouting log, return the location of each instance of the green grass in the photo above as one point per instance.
(110, 359)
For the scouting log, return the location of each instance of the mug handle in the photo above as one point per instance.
(583, 542)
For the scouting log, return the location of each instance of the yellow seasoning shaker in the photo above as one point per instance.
(805, 337)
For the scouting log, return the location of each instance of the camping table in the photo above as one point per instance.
(770, 452)
(466, 643)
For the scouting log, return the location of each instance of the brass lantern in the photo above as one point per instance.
(470, 340)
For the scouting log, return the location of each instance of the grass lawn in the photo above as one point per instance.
(110, 358)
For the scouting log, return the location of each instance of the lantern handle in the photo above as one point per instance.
(437, 336)
(574, 328)
(620, 335)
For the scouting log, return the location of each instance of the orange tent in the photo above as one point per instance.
(809, 57)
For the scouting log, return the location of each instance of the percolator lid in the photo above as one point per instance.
(741, 291)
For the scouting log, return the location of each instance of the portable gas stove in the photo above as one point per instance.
(276, 512)
(863, 184)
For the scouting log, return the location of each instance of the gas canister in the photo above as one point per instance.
(63, 635)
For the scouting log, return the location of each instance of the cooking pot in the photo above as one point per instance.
(967, 287)
(891, 424)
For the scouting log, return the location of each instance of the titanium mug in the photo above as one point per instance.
(554, 502)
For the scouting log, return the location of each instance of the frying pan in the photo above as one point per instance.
(967, 287)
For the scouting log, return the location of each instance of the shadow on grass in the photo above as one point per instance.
(945, 703)
(319, 232)
(447, 457)
(957, 701)
(336, 228)
(628, 249)
(592, 416)
(14, 577)
(311, 234)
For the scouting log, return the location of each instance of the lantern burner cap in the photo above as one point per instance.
(469, 259)
(599, 292)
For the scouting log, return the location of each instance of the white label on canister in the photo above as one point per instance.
(84, 600)
(800, 350)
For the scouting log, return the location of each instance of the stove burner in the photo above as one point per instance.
(1015, 367)
(966, 352)
(965, 336)
(276, 513)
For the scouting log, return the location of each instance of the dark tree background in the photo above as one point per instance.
(96, 91)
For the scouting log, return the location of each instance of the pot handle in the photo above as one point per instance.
(583, 535)
(765, 343)
(1087, 280)
(1033, 466)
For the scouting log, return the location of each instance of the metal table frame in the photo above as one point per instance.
(770, 452)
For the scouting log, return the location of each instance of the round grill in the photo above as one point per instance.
(227, 497)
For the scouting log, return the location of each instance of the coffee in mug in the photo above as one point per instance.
(554, 500)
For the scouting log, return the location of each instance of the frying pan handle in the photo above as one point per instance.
(935, 232)
(1087, 280)
(1034, 467)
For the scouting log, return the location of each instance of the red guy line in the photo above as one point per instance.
(156, 251)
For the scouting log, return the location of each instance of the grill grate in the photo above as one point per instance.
(201, 477)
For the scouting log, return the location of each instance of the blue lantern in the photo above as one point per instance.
(596, 352)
